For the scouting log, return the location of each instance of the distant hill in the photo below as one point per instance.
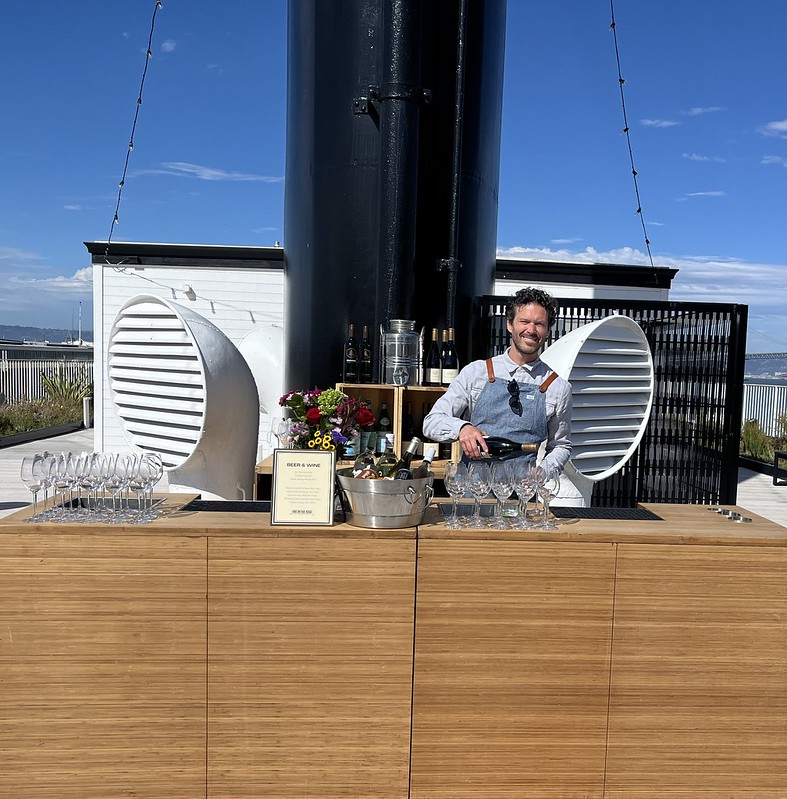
(50, 334)
(757, 367)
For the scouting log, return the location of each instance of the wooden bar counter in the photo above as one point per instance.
(213, 655)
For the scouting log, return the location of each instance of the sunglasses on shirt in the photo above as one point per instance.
(513, 401)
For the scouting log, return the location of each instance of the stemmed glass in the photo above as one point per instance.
(546, 489)
(90, 480)
(281, 429)
(32, 476)
(114, 480)
(60, 484)
(455, 480)
(525, 488)
(479, 480)
(47, 467)
(502, 485)
(149, 469)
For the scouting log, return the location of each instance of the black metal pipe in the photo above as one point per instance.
(453, 264)
(399, 99)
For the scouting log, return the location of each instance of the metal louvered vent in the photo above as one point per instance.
(610, 368)
(157, 381)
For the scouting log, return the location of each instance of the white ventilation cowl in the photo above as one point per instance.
(181, 388)
(610, 368)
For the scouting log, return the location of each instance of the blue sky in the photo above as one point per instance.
(705, 99)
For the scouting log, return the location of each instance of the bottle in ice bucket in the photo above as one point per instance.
(424, 467)
(401, 471)
(501, 447)
(366, 460)
(386, 463)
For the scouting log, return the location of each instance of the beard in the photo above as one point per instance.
(527, 346)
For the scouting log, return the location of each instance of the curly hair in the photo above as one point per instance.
(532, 295)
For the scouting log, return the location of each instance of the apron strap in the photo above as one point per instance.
(548, 382)
(542, 388)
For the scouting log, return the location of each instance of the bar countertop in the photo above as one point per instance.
(666, 524)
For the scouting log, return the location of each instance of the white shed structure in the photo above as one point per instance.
(240, 290)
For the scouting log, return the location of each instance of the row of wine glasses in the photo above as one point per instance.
(92, 486)
(518, 476)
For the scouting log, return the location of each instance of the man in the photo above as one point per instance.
(514, 395)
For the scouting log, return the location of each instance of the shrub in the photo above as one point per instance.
(21, 417)
(754, 442)
(62, 388)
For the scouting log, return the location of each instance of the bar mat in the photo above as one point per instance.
(228, 506)
(624, 514)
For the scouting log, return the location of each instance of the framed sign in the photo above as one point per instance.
(303, 486)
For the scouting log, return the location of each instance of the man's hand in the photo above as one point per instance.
(472, 441)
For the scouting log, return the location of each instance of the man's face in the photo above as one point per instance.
(529, 330)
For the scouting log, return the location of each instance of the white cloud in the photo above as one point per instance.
(706, 194)
(701, 278)
(168, 45)
(658, 123)
(564, 241)
(29, 296)
(699, 110)
(778, 128)
(698, 157)
(72, 207)
(183, 169)
(778, 160)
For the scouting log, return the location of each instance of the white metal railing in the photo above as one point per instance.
(20, 380)
(765, 402)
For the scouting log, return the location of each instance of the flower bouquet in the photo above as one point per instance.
(324, 419)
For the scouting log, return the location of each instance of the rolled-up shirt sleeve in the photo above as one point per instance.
(452, 410)
(558, 444)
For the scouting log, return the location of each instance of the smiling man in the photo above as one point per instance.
(515, 395)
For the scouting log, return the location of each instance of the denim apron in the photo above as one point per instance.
(493, 414)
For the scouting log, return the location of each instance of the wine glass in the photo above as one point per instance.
(90, 480)
(525, 488)
(47, 481)
(31, 475)
(479, 480)
(455, 480)
(113, 480)
(152, 469)
(547, 490)
(281, 429)
(60, 482)
(502, 485)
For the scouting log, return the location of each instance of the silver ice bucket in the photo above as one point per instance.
(384, 503)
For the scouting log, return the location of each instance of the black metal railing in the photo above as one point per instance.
(689, 451)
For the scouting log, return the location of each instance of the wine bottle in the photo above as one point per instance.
(432, 363)
(365, 357)
(449, 367)
(424, 467)
(500, 447)
(351, 356)
(365, 460)
(386, 463)
(408, 423)
(401, 471)
(383, 426)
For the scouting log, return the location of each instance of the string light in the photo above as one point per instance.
(148, 55)
(627, 132)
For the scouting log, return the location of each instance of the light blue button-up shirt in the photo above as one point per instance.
(453, 409)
